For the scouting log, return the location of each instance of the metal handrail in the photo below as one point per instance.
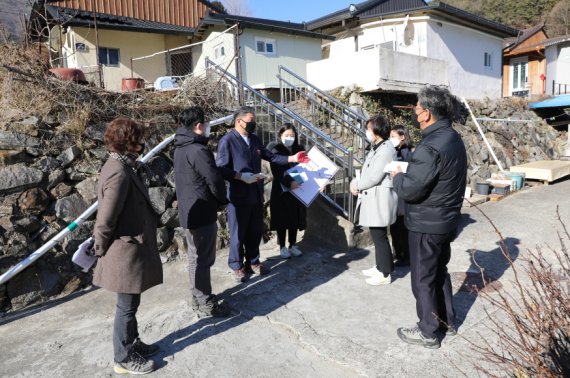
(301, 120)
(322, 93)
(355, 129)
(342, 156)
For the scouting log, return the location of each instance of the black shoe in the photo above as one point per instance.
(414, 336)
(134, 364)
(213, 307)
(145, 350)
(402, 263)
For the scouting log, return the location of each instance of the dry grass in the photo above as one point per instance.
(532, 322)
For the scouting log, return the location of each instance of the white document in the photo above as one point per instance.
(312, 176)
(81, 258)
(391, 166)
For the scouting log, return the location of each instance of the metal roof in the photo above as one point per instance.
(262, 24)
(555, 102)
(382, 8)
(74, 17)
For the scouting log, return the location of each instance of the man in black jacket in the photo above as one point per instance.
(200, 191)
(433, 188)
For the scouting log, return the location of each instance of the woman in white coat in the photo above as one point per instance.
(377, 202)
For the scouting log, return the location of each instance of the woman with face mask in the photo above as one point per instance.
(377, 201)
(400, 138)
(288, 214)
(125, 242)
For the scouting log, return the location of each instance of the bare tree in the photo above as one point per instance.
(238, 7)
(558, 21)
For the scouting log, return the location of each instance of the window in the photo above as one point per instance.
(487, 62)
(518, 75)
(265, 46)
(108, 56)
(219, 51)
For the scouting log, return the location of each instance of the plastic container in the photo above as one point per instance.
(131, 84)
(518, 178)
(501, 189)
(482, 188)
(69, 74)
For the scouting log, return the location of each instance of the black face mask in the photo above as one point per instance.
(250, 127)
(414, 119)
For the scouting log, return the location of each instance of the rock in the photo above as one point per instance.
(34, 201)
(19, 177)
(10, 140)
(48, 164)
(10, 157)
(88, 189)
(28, 125)
(169, 218)
(159, 169)
(70, 207)
(96, 132)
(32, 285)
(50, 231)
(90, 168)
(69, 155)
(160, 198)
(73, 175)
(28, 224)
(61, 190)
(171, 180)
(98, 153)
(163, 238)
(55, 178)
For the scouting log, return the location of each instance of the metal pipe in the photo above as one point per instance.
(483, 135)
(13, 271)
(324, 94)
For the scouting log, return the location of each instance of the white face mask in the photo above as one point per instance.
(370, 136)
(207, 131)
(288, 141)
(395, 142)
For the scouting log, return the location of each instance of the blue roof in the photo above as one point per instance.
(555, 102)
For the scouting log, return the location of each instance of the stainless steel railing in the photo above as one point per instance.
(271, 117)
(324, 111)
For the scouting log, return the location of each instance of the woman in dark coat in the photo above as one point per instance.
(400, 138)
(125, 242)
(288, 214)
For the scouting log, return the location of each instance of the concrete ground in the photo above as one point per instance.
(313, 316)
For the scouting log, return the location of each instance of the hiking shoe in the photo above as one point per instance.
(134, 364)
(372, 272)
(284, 253)
(451, 332)
(145, 350)
(213, 307)
(414, 336)
(258, 269)
(295, 251)
(379, 280)
(239, 275)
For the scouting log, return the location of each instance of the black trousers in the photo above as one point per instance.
(384, 261)
(125, 328)
(399, 234)
(201, 257)
(431, 283)
(292, 237)
(246, 228)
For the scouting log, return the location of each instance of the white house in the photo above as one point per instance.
(402, 45)
(557, 51)
(255, 50)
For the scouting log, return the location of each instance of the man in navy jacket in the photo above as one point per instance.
(433, 188)
(200, 192)
(239, 158)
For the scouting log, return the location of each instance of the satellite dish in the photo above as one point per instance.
(409, 34)
(54, 39)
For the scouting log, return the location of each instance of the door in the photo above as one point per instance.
(519, 76)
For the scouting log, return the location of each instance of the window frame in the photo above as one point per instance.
(107, 57)
(265, 42)
(487, 57)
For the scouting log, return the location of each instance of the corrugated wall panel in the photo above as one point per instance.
(175, 12)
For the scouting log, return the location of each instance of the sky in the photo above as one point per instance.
(296, 10)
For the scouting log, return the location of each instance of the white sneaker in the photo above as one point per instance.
(295, 251)
(372, 272)
(284, 253)
(379, 280)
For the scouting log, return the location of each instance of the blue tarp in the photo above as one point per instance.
(555, 102)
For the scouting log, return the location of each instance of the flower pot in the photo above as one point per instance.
(482, 188)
